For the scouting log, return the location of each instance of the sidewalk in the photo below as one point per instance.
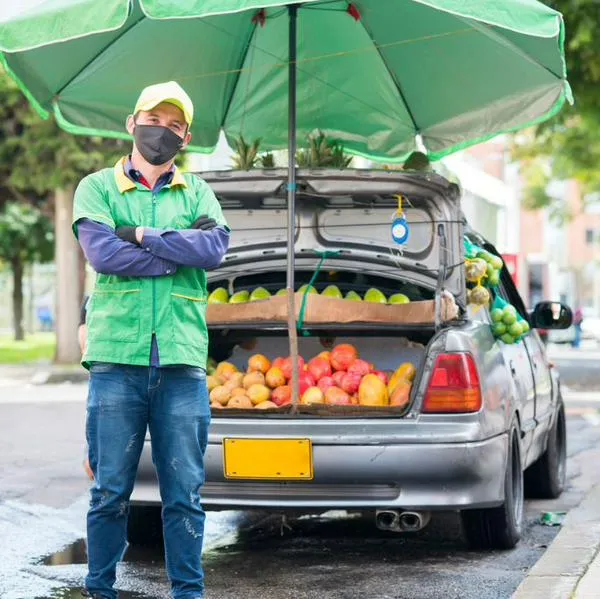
(41, 373)
(570, 568)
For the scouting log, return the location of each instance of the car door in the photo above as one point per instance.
(518, 362)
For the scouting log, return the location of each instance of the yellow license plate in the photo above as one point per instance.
(268, 459)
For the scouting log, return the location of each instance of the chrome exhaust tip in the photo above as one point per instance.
(398, 521)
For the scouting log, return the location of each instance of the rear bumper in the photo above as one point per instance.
(435, 476)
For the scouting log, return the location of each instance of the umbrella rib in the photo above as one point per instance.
(391, 74)
(237, 76)
(102, 51)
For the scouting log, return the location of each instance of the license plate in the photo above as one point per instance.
(268, 459)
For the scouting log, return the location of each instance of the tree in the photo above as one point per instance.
(568, 146)
(25, 237)
(40, 165)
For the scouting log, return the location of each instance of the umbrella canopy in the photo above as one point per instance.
(372, 74)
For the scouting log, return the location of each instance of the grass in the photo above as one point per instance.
(36, 348)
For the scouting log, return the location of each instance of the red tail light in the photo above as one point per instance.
(454, 385)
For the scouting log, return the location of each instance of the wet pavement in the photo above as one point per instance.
(251, 555)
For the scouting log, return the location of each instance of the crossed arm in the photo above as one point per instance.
(159, 253)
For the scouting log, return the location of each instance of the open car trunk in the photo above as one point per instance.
(343, 238)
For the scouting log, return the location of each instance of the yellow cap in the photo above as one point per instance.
(171, 92)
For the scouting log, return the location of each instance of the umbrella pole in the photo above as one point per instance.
(291, 202)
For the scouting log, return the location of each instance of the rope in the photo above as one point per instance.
(324, 255)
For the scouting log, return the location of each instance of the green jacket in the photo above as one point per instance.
(124, 312)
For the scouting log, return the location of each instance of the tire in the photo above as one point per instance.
(547, 477)
(144, 525)
(500, 527)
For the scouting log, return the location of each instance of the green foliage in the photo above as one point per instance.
(267, 160)
(36, 156)
(36, 348)
(322, 153)
(569, 144)
(25, 234)
(246, 154)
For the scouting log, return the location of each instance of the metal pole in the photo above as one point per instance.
(291, 202)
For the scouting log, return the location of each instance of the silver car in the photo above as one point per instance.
(506, 434)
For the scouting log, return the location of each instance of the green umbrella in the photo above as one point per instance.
(374, 75)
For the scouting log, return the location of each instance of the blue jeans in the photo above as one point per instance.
(123, 402)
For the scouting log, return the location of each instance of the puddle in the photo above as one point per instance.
(76, 553)
(73, 554)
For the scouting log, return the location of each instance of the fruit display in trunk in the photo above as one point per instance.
(372, 392)
(260, 293)
(342, 356)
(240, 297)
(311, 396)
(375, 296)
(332, 378)
(332, 291)
(398, 298)
(219, 296)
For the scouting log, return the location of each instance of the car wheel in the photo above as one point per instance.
(500, 527)
(144, 525)
(546, 478)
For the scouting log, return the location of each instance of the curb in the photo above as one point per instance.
(569, 569)
(55, 375)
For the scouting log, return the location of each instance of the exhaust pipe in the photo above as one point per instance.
(397, 521)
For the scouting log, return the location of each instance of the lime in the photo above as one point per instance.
(489, 270)
(496, 315)
(497, 262)
(516, 330)
(499, 329)
(494, 279)
(509, 317)
(525, 326)
(507, 338)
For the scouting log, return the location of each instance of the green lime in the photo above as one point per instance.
(507, 338)
(516, 330)
(496, 315)
(497, 262)
(489, 270)
(494, 279)
(525, 326)
(509, 317)
(499, 329)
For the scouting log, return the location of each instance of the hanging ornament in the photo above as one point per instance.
(400, 228)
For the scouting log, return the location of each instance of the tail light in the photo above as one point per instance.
(454, 385)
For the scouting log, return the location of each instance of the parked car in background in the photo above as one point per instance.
(501, 431)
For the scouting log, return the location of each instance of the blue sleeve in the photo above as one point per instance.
(188, 247)
(110, 255)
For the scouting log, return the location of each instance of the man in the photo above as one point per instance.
(150, 232)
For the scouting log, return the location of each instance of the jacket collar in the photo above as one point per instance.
(124, 183)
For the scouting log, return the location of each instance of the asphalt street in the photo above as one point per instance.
(43, 499)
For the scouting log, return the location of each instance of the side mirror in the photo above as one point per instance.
(551, 315)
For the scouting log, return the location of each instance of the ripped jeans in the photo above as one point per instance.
(123, 402)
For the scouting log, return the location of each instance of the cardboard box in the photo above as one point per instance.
(326, 310)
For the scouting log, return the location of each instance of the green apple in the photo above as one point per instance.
(509, 317)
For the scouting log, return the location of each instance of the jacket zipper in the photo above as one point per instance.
(154, 340)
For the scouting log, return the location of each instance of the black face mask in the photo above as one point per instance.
(157, 144)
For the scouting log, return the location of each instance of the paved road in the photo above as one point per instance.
(249, 555)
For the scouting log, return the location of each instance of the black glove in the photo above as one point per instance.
(127, 234)
(204, 223)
